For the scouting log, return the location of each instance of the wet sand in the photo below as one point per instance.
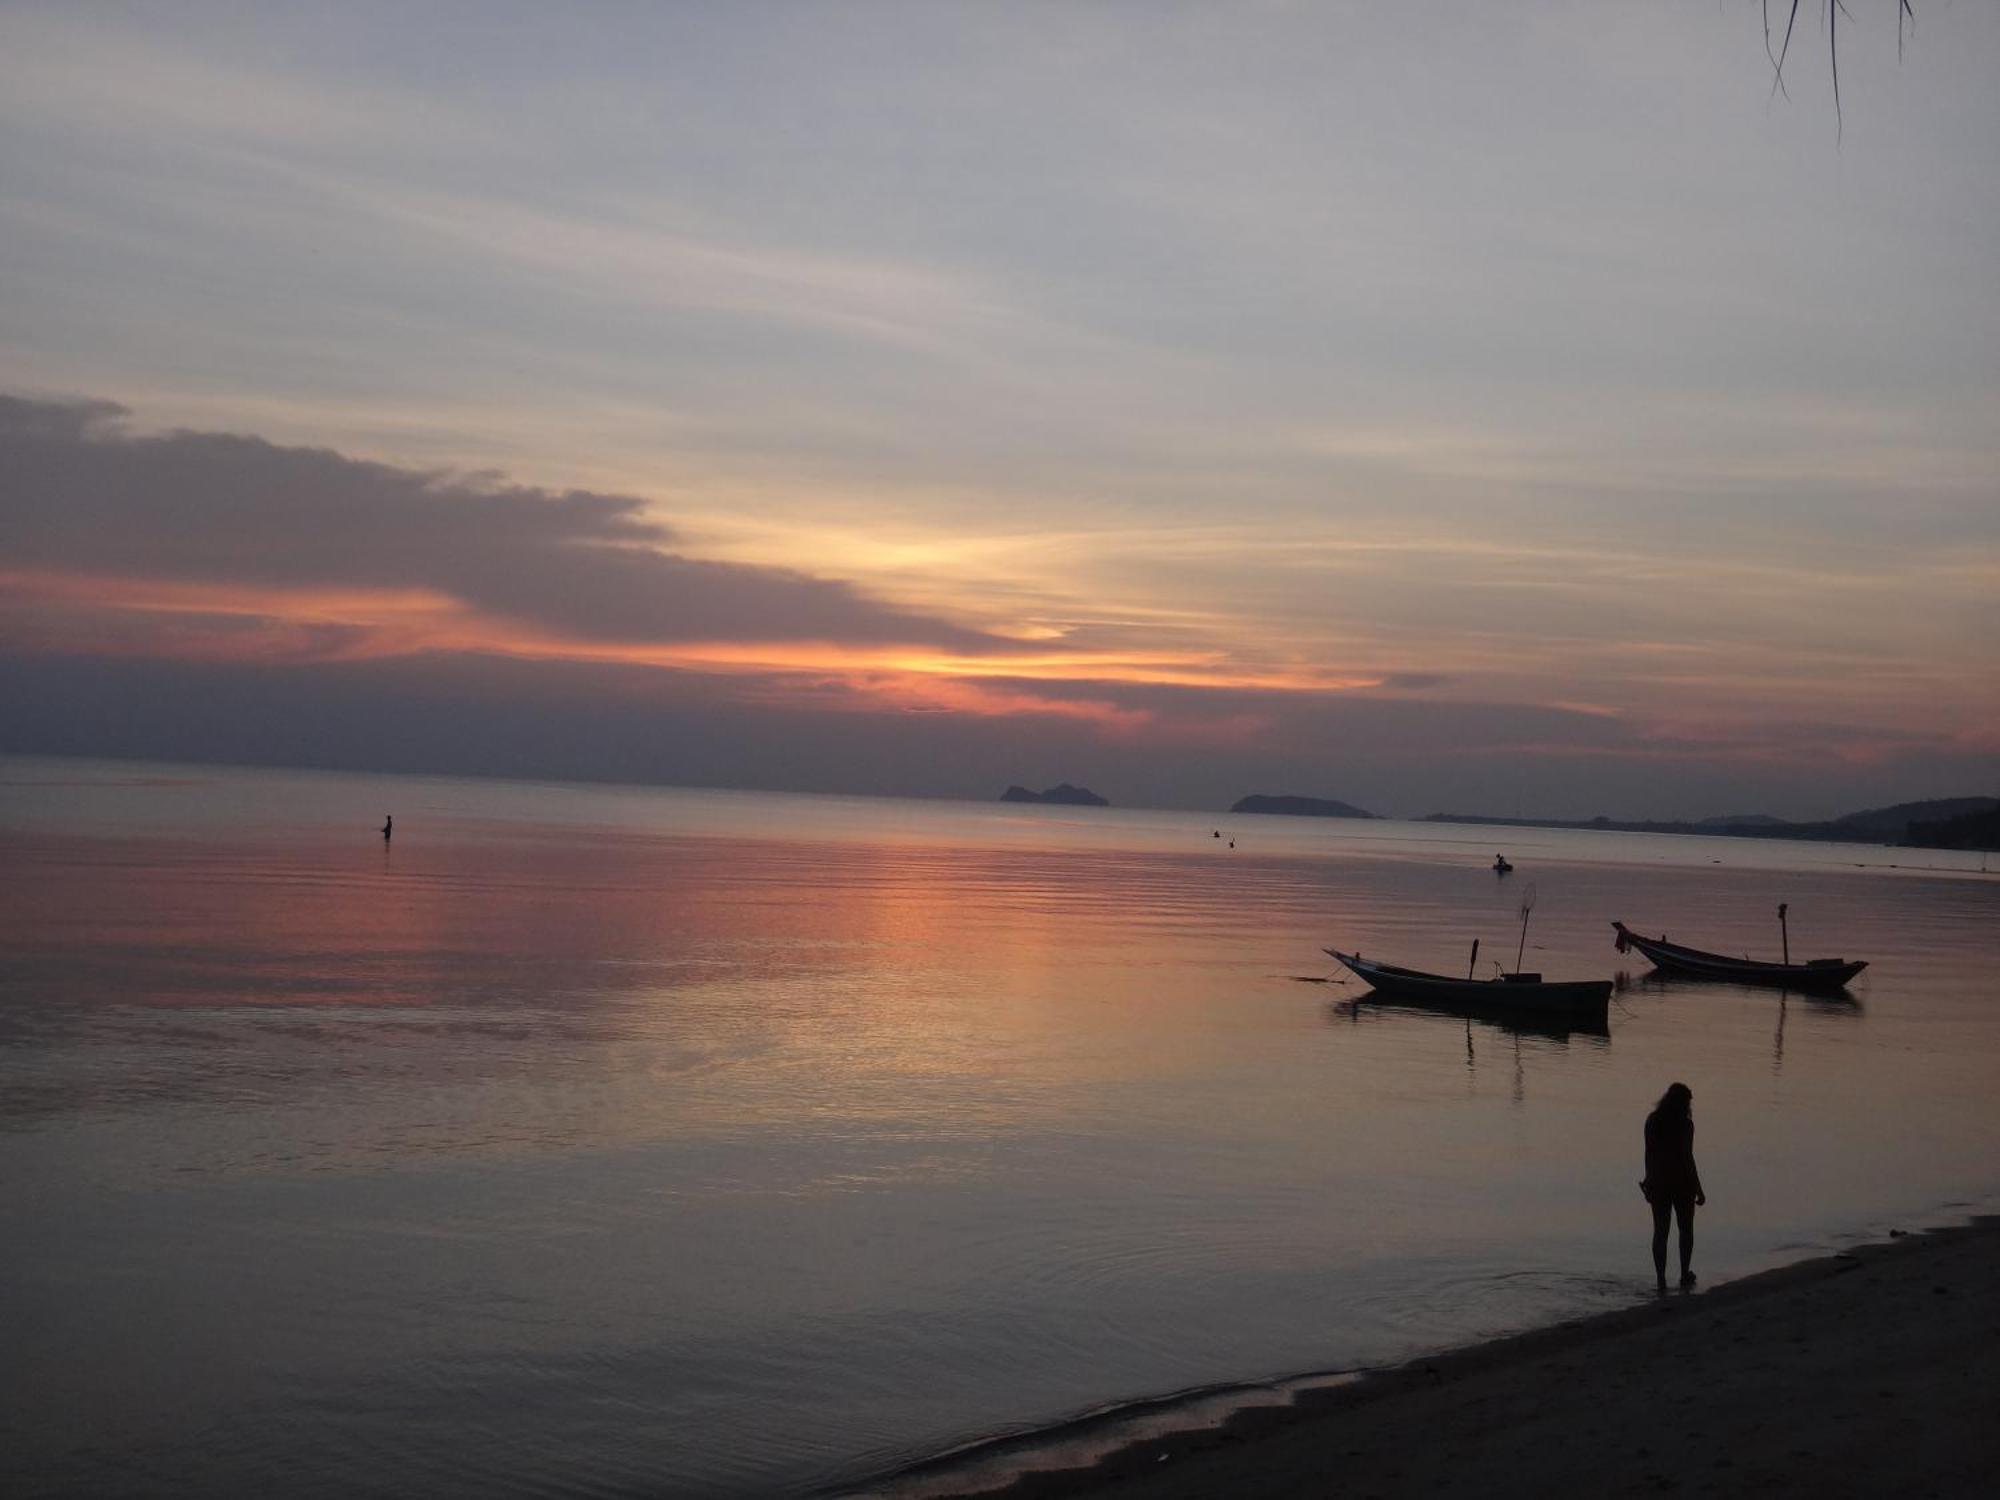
(1872, 1372)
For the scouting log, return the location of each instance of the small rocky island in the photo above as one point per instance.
(1063, 796)
(1299, 807)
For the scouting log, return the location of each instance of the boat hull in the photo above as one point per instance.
(1692, 963)
(1510, 994)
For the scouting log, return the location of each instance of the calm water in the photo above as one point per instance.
(618, 1142)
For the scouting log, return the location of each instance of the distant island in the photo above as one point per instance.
(1064, 795)
(1299, 807)
(1946, 823)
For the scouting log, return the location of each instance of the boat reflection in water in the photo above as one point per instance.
(1591, 1026)
(1839, 1001)
(1525, 1033)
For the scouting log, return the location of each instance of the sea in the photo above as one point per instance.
(610, 1141)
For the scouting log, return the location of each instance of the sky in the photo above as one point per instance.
(1506, 409)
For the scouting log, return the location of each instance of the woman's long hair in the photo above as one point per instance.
(1674, 1103)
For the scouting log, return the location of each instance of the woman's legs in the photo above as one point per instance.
(1684, 1214)
(1660, 1213)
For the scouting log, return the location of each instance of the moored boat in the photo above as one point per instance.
(1676, 958)
(1525, 993)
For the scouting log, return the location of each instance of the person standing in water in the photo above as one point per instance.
(1673, 1183)
(388, 825)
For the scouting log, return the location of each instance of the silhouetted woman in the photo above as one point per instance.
(1672, 1185)
(388, 826)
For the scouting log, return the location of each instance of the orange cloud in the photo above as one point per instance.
(198, 621)
(174, 596)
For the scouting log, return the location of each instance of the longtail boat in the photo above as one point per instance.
(1526, 993)
(1817, 974)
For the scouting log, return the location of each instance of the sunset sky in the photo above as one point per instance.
(1509, 409)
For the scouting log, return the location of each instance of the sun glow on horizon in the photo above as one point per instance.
(197, 621)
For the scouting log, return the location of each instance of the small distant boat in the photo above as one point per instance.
(1818, 974)
(1528, 993)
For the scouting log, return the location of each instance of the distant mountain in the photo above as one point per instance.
(1879, 825)
(1299, 807)
(1892, 824)
(1970, 830)
(1065, 795)
(1486, 819)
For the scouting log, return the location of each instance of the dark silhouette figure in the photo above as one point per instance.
(1672, 1184)
(1500, 865)
(388, 826)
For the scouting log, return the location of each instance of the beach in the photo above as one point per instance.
(1870, 1372)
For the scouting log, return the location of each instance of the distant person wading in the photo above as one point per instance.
(1672, 1184)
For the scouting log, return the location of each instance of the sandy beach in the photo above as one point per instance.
(1871, 1372)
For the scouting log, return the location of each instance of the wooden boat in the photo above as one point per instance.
(1524, 993)
(1818, 974)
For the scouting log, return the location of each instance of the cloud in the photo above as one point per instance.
(491, 715)
(216, 596)
(83, 495)
(64, 73)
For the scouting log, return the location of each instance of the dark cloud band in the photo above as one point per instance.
(82, 494)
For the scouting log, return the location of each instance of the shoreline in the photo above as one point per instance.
(1868, 1371)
